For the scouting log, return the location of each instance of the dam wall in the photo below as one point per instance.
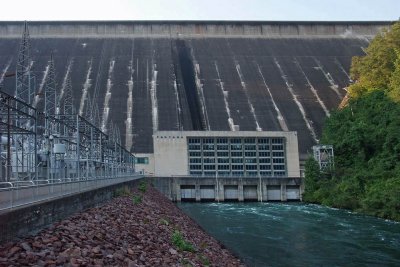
(149, 76)
(243, 29)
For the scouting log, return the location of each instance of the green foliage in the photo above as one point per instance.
(204, 260)
(179, 241)
(143, 186)
(136, 199)
(383, 199)
(366, 140)
(312, 177)
(122, 192)
(379, 68)
(164, 221)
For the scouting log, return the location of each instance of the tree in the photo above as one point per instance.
(374, 71)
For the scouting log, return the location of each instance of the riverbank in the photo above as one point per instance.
(141, 228)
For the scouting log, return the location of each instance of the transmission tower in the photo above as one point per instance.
(51, 100)
(25, 87)
(68, 103)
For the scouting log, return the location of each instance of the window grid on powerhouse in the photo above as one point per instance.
(225, 156)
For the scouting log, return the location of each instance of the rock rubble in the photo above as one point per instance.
(122, 232)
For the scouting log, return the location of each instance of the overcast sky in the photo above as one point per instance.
(200, 10)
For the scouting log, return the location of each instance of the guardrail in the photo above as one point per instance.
(15, 194)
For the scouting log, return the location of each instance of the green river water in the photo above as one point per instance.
(297, 234)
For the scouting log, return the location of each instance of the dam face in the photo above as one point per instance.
(207, 76)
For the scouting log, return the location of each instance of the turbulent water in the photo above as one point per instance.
(278, 234)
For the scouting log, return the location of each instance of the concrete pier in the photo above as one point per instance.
(230, 189)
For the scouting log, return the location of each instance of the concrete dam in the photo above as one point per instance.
(196, 76)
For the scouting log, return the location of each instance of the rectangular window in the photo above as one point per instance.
(264, 154)
(223, 154)
(208, 147)
(265, 160)
(239, 160)
(195, 173)
(225, 160)
(236, 154)
(223, 167)
(236, 147)
(194, 141)
(208, 141)
(265, 173)
(194, 167)
(195, 154)
(263, 147)
(141, 160)
(209, 173)
(279, 167)
(251, 167)
(277, 147)
(250, 160)
(194, 147)
(250, 147)
(209, 167)
(263, 140)
(195, 160)
(209, 160)
(222, 147)
(208, 154)
(265, 167)
(277, 154)
(277, 140)
(236, 141)
(222, 140)
(237, 167)
(237, 173)
(249, 154)
(249, 140)
(278, 160)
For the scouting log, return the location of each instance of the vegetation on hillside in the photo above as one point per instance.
(366, 137)
(379, 69)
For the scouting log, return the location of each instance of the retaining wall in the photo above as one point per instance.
(30, 219)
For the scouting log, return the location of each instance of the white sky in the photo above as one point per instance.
(199, 10)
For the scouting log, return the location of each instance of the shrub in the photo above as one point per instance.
(137, 199)
(143, 186)
(122, 192)
(179, 241)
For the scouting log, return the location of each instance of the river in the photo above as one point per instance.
(297, 234)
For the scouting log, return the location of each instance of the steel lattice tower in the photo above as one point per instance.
(25, 89)
(50, 91)
(68, 103)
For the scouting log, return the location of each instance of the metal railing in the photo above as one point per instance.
(18, 194)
